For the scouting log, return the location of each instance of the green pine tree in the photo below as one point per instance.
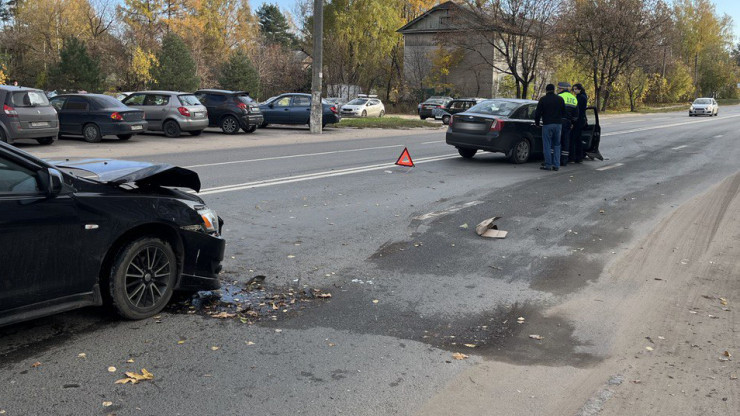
(75, 69)
(274, 25)
(239, 74)
(176, 69)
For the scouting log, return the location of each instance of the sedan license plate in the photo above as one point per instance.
(40, 124)
(470, 126)
(137, 127)
(198, 114)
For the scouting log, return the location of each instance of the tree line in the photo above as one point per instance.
(627, 53)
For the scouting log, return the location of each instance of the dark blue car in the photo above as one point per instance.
(295, 108)
(93, 116)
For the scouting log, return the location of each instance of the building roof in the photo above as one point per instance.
(408, 27)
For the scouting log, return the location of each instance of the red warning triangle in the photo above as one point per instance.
(405, 159)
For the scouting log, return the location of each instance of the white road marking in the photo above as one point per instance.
(679, 147)
(447, 211)
(316, 175)
(434, 142)
(662, 126)
(616, 165)
(631, 121)
(292, 156)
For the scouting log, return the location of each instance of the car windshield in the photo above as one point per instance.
(357, 101)
(105, 101)
(29, 99)
(702, 101)
(494, 107)
(188, 99)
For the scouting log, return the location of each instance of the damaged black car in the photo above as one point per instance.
(101, 231)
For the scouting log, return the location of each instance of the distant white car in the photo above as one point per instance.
(704, 106)
(363, 106)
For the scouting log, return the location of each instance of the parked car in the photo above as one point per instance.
(455, 106)
(704, 106)
(27, 115)
(364, 106)
(231, 110)
(425, 109)
(94, 116)
(506, 126)
(337, 102)
(170, 112)
(295, 108)
(89, 232)
(122, 95)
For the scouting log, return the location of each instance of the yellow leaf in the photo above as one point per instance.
(111, 369)
(323, 295)
(126, 380)
(727, 354)
(180, 342)
(537, 337)
(36, 364)
(470, 345)
(723, 301)
(82, 355)
(130, 360)
(249, 342)
(459, 356)
(375, 301)
(106, 404)
(214, 348)
(649, 348)
(223, 315)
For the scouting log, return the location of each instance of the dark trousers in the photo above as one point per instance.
(565, 143)
(576, 143)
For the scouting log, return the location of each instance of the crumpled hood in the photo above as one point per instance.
(140, 173)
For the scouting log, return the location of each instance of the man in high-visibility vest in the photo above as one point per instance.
(571, 116)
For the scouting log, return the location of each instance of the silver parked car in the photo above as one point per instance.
(27, 114)
(704, 106)
(170, 112)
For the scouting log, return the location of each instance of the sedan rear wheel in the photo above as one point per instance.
(91, 133)
(467, 153)
(519, 153)
(171, 129)
(143, 277)
(45, 140)
(125, 136)
(195, 132)
(230, 125)
(445, 120)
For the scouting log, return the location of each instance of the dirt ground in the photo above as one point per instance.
(664, 316)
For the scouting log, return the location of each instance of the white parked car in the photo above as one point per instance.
(363, 106)
(704, 106)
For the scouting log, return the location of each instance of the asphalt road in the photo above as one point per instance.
(411, 282)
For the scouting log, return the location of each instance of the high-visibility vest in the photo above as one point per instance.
(569, 99)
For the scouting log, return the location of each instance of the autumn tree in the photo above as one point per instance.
(175, 70)
(75, 70)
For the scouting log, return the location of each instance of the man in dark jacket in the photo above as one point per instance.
(550, 110)
(569, 119)
(576, 141)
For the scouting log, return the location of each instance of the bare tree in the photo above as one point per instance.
(509, 35)
(611, 35)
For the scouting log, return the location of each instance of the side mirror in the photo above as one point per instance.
(55, 184)
(271, 105)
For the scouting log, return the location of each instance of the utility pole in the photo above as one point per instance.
(317, 108)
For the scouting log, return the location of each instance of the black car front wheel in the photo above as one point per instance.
(230, 125)
(251, 128)
(520, 152)
(171, 129)
(143, 277)
(467, 153)
(91, 133)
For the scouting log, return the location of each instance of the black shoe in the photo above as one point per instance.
(543, 167)
(555, 169)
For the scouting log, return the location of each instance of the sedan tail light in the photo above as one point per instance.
(243, 106)
(333, 109)
(10, 111)
(116, 116)
(184, 111)
(497, 125)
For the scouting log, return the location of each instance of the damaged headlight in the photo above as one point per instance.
(209, 217)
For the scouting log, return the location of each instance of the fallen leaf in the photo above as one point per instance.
(659, 337)
(323, 295)
(464, 225)
(459, 356)
(36, 364)
(727, 354)
(111, 369)
(82, 355)
(130, 360)
(733, 376)
(537, 337)
(723, 301)
(470, 345)
(331, 344)
(223, 315)
(520, 319)
(249, 342)
(106, 404)
(215, 348)
(649, 348)
(601, 211)
(375, 301)
(290, 256)
(636, 381)
(134, 378)
(180, 342)
(278, 330)
(692, 311)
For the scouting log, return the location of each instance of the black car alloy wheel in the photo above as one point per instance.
(519, 153)
(230, 125)
(91, 133)
(143, 278)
